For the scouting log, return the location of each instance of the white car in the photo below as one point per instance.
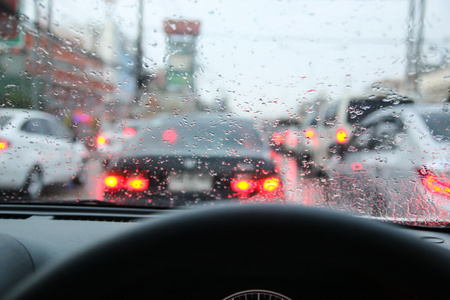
(36, 151)
(334, 124)
(415, 140)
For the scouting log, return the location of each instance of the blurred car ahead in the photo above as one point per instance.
(112, 141)
(35, 151)
(183, 160)
(415, 140)
(334, 124)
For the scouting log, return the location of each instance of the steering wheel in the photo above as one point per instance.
(210, 253)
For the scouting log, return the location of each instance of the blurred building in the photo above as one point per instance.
(74, 74)
(435, 86)
(47, 72)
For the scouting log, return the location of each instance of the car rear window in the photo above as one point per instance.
(331, 114)
(360, 108)
(439, 125)
(202, 136)
(4, 120)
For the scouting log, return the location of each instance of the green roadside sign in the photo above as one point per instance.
(179, 78)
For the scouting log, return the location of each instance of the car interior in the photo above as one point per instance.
(229, 150)
(210, 252)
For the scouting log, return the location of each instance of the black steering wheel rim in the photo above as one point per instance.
(210, 253)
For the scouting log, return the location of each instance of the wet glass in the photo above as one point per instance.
(344, 104)
(439, 125)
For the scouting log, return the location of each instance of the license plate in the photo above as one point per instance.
(190, 182)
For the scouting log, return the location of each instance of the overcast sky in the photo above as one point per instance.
(267, 55)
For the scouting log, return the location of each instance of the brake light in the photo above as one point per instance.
(356, 166)
(310, 133)
(268, 188)
(341, 136)
(277, 138)
(270, 184)
(101, 140)
(137, 184)
(3, 145)
(129, 132)
(242, 185)
(170, 136)
(435, 184)
(113, 182)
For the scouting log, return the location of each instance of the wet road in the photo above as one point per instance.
(299, 189)
(91, 190)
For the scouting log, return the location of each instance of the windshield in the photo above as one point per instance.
(170, 103)
(360, 108)
(200, 135)
(3, 121)
(439, 125)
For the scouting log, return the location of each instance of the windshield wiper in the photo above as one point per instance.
(417, 223)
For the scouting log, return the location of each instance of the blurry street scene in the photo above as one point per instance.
(146, 104)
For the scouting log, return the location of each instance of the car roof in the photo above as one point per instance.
(406, 109)
(201, 118)
(19, 116)
(19, 112)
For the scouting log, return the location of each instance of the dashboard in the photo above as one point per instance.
(226, 252)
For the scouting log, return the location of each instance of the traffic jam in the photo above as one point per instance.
(211, 158)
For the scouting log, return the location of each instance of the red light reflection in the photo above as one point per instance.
(170, 136)
(3, 145)
(242, 186)
(277, 138)
(137, 184)
(356, 166)
(129, 132)
(113, 182)
(341, 136)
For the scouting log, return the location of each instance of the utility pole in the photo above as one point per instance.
(51, 101)
(139, 54)
(414, 44)
(49, 15)
(35, 84)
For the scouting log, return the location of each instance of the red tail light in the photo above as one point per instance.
(310, 133)
(113, 182)
(341, 136)
(129, 132)
(247, 186)
(137, 183)
(243, 186)
(3, 145)
(170, 136)
(356, 166)
(277, 138)
(436, 184)
(270, 184)
(101, 140)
